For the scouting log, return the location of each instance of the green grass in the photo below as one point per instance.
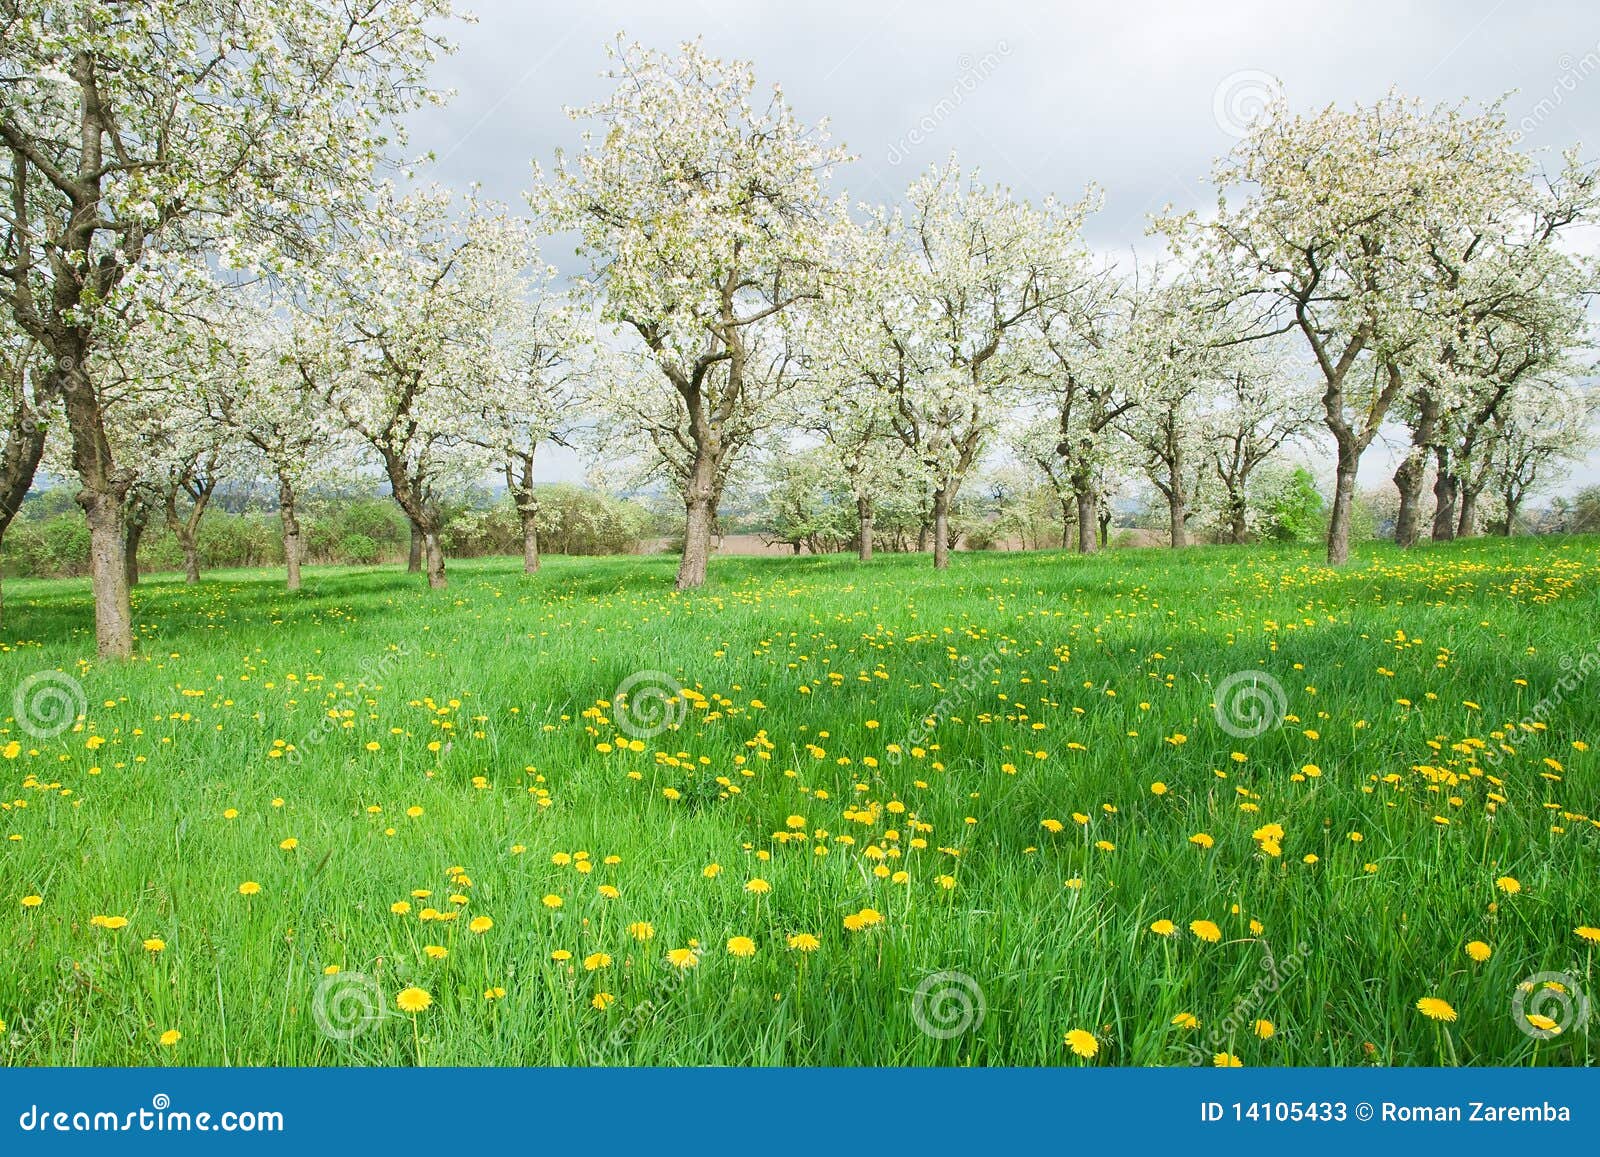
(1098, 663)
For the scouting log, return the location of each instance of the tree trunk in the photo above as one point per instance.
(922, 537)
(1179, 517)
(1467, 526)
(1344, 494)
(1237, 511)
(700, 514)
(1513, 506)
(1409, 476)
(1103, 520)
(108, 572)
(20, 461)
(1086, 522)
(941, 529)
(292, 547)
(530, 539)
(1068, 520)
(414, 562)
(433, 554)
(864, 528)
(1408, 481)
(191, 559)
(101, 498)
(1444, 502)
(130, 551)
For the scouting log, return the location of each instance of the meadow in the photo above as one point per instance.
(1219, 806)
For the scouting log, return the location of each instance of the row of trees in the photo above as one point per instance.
(207, 270)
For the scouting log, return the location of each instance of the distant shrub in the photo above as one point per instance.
(358, 548)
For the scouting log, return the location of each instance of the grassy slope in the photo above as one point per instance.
(1097, 663)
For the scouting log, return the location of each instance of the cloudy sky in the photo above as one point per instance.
(1137, 97)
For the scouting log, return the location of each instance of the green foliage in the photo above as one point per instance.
(1295, 510)
(481, 704)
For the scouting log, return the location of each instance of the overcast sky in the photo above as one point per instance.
(1134, 96)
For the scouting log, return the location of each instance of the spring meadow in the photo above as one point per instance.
(790, 539)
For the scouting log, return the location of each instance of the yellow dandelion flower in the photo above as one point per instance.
(413, 1000)
(1435, 1009)
(1083, 1042)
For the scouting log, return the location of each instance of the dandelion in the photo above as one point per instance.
(552, 901)
(1478, 951)
(155, 944)
(602, 1001)
(1206, 930)
(1186, 1020)
(435, 951)
(1226, 1061)
(1584, 932)
(1163, 927)
(683, 958)
(1510, 885)
(758, 887)
(32, 901)
(1435, 1009)
(289, 844)
(413, 1000)
(110, 923)
(560, 955)
(741, 946)
(171, 1037)
(1202, 840)
(595, 961)
(1083, 1042)
(249, 888)
(642, 930)
(804, 942)
(1264, 1029)
(400, 907)
(495, 993)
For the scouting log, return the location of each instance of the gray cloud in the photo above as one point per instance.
(1044, 97)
